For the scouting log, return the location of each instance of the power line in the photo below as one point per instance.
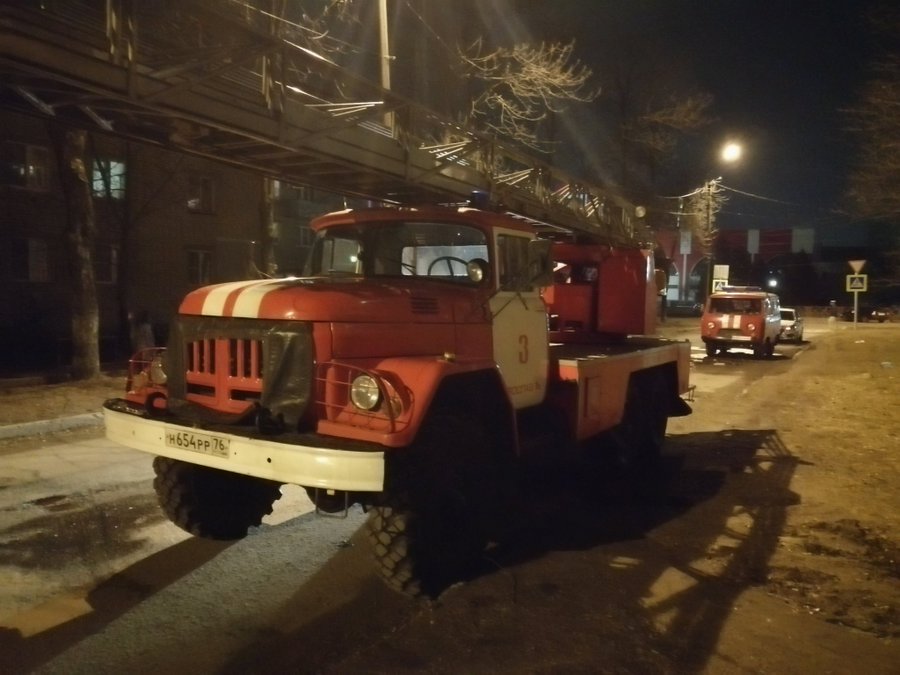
(761, 197)
(430, 29)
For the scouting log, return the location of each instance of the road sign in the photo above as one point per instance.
(719, 284)
(857, 283)
(856, 265)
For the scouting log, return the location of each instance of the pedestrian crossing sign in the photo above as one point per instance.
(857, 283)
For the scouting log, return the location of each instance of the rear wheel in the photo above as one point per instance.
(428, 532)
(638, 440)
(211, 503)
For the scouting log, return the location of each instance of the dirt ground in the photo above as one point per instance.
(776, 548)
(33, 402)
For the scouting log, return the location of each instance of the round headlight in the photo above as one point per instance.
(751, 327)
(158, 372)
(477, 270)
(364, 392)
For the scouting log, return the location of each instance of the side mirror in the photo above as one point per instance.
(540, 264)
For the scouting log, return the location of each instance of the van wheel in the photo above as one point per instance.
(710, 350)
(770, 348)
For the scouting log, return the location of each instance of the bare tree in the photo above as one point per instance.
(703, 207)
(519, 87)
(268, 228)
(875, 124)
(75, 176)
(652, 108)
(655, 131)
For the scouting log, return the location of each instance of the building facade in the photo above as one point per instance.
(166, 223)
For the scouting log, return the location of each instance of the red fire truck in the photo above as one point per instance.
(410, 369)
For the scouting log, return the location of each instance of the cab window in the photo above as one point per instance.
(439, 251)
(513, 263)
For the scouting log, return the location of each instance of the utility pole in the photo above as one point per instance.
(709, 233)
(386, 57)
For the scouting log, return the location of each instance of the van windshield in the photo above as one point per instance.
(734, 305)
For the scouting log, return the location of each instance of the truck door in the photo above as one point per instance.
(519, 322)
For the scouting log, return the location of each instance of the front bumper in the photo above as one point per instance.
(726, 339)
(300, 464)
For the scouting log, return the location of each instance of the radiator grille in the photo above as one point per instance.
(231, 365)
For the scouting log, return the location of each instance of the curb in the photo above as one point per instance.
(50, 426)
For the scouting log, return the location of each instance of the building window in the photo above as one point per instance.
(106, 264)
(201, 194)
(108, 179)
(199, 266)
(24, 166)
(29, 260)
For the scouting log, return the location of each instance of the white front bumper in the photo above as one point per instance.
(282, 462)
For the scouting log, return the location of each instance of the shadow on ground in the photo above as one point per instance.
(592, 576)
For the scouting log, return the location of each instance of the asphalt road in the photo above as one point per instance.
(94, 579)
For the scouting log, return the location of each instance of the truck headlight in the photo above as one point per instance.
(364, 392)
(158, 372)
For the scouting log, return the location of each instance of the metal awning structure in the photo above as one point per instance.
(223, 80)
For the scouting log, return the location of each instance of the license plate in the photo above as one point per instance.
(197, 442)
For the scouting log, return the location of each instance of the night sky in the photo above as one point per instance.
(780, 73)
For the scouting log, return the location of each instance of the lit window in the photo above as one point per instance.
(199, 266)
(24, 166)
(108, 179)
(201, 194)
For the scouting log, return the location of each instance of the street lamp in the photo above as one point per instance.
(730, 153)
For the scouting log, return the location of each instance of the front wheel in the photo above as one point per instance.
(710, 349)
(211, 503)
(429, 530)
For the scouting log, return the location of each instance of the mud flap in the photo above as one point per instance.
(678, 407)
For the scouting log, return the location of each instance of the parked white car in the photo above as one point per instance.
(791, 325)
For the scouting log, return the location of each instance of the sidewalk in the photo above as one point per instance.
(30, 407)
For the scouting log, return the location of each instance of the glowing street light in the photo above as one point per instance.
(731, 152)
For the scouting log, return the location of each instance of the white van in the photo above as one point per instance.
(741, 316)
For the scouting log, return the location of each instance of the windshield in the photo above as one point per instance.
(734, 306)
(787, 314)
(437, 250)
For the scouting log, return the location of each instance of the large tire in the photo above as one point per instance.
(636, 443)
(428, 532)
(211, 503)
